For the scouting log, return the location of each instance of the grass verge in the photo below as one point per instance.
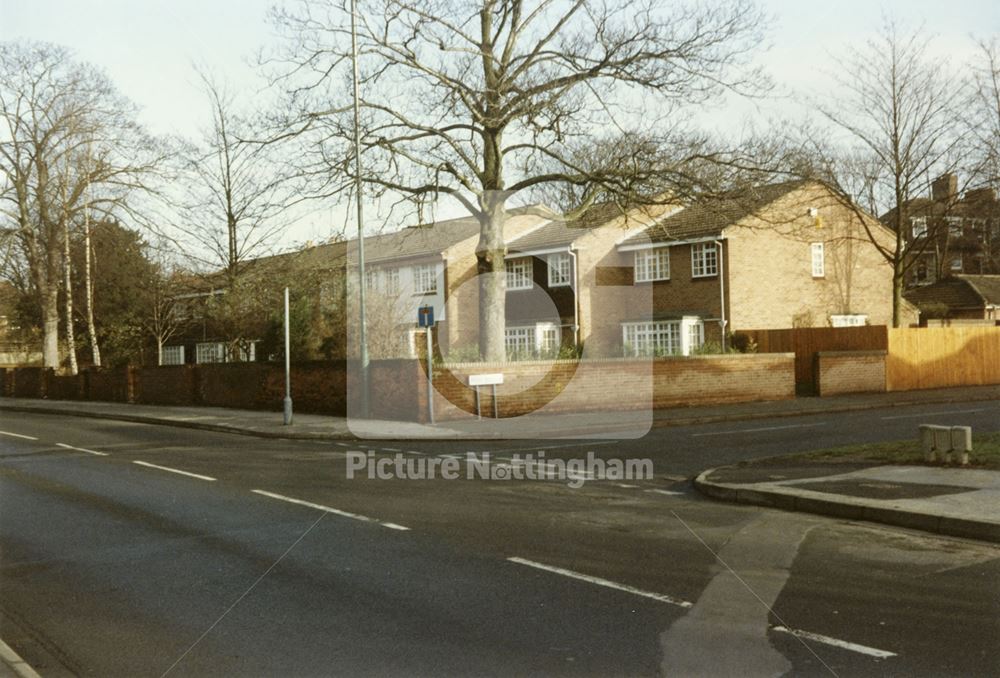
(985, 453)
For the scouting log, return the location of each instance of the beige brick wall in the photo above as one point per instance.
(570, 386)
(770, 267)
(839, 372)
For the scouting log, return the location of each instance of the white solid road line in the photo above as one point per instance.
(82, 449)
(17, 435)
(933, 414)
(756, 430)
(835, 642)
(667, 492)
(338, 512)
(603, 582)
(174, 470)
(13, 660)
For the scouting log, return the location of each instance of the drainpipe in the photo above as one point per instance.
(722, 294)
(576, 297)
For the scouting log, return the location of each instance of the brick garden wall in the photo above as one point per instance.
(840, 372)
(570, 386)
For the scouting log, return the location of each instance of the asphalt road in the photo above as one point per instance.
(262, 558)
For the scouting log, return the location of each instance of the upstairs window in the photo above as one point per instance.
(425, 279)
(954, 226)
(818, 255)
(704, 260)
(519, 273)
(652, 265)
(560, 270)
(918, 227)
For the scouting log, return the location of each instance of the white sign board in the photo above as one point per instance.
(485, 379)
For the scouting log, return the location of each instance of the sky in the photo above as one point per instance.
(149, 47)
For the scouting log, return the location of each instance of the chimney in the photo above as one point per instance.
(945, 188)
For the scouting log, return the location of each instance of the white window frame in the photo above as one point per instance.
(210, 352)
(918, 227)
(665, 337)
(391, 280)
(957, 260)
(425, 279)
(956, 229)
(817, 257)
(173, 355)
(560, 270)
(652, 265)
(519, 340)
(704, 260)
(520, 273)
(849, 320)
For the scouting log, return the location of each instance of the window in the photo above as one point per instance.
(548, 340)
(519, 273)
(652, 264)
(956, 264)
(704, 260)
(425, 279)
(173, 355)
(853, 320)
(954, 226)
(918, 227)
(391, 280)
(652, 338)
(818, 260)
(519, 341)
(560, 270)
(371, 278)
(214, 352)
(696, 335)
(244, 353)
(664, 337)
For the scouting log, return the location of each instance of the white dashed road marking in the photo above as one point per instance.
(756, 430)
(603, 582)
(835, 642)
(174, 470)
(667, 492)
(17, 435)
(81, 449)
(933, 414)
(327, 509)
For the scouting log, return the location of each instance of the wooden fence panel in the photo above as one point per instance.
(938, 357)
(806, 342)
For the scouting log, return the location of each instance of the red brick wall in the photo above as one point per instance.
(850, 372)
(64, 387)
(114, 385)
(173, 385)
(30, 382)
(570, 386)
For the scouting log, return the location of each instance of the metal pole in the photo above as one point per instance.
(288, 367)
(363, 319)
(430, 376)
(722, 293)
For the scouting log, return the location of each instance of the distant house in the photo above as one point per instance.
(958, 297)
(952, 233)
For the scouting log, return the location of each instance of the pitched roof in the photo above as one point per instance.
(987, 286)
(561, 232)
(435, 238)
(709, 217)
(960, 291)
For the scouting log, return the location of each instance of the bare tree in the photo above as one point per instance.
(985, 110)
(478, 102)
(237, 189)
(895, 128)
(52, 108)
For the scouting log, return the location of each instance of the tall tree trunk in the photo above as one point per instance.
(89, 287)
(159, 351)
(492, 281)
(50, 324)
(897, 295)
(68, 272)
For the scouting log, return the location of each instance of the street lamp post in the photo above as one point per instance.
(363, 320)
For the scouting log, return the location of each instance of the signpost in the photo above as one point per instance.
(478, 380)
(425, 319)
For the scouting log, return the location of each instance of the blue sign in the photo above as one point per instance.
(425, 316)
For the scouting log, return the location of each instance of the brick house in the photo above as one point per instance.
(958, 297)
(952, 233)
(774, 256)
